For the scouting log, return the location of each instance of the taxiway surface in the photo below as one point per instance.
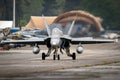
(98, 62)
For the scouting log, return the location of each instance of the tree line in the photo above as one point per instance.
(108, 10)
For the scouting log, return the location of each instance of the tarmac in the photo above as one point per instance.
(98, 62)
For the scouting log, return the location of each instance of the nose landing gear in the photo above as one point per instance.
(56, 56)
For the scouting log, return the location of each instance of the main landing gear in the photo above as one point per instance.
(43, 56)
(74, 56)
(57, 56)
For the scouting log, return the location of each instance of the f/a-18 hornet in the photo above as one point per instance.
(56, 40)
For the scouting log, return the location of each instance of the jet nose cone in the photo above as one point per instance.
(55, 42)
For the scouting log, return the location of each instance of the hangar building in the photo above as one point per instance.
(85, 23)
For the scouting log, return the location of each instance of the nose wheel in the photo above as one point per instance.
(56, 56)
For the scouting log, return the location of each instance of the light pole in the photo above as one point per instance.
(13, 13)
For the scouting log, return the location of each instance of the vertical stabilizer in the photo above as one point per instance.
(46, 25)
(71, 27)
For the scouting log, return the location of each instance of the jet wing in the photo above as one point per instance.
(91, 40)
(26, 41)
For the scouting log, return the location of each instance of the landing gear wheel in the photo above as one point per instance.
(54, 57)
(43, 56)
(58, 56)
(74, 56)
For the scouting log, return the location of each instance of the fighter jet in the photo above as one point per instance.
(28, 34)
(56, 40)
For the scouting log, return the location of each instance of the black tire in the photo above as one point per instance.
(58, 56)
(74, 56)
(43, 56)
(54, 57)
